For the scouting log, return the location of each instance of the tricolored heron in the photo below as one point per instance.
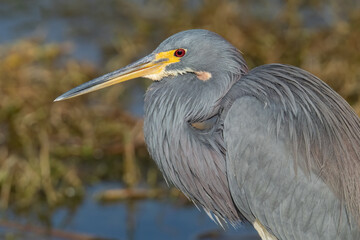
(275, 145)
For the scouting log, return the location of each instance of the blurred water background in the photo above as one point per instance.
(79, 169)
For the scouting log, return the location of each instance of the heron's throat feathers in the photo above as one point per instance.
(201, 75)
(168, 73)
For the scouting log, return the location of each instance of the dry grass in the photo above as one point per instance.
(46, 149)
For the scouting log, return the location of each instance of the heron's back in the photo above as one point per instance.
(292, 154)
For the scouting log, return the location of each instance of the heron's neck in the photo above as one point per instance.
(193, 161)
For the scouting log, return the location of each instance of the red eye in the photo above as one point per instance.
(179, 52)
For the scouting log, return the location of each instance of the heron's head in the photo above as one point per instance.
(202, 53)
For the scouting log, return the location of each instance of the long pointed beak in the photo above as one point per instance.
(151, 64)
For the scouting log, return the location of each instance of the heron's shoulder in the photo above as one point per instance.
(285, 88)
(258, 80)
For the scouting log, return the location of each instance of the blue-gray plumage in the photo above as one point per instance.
(275, 145)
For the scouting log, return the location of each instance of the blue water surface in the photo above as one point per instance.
(144, 219)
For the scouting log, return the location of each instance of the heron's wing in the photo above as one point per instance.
(289, 147)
